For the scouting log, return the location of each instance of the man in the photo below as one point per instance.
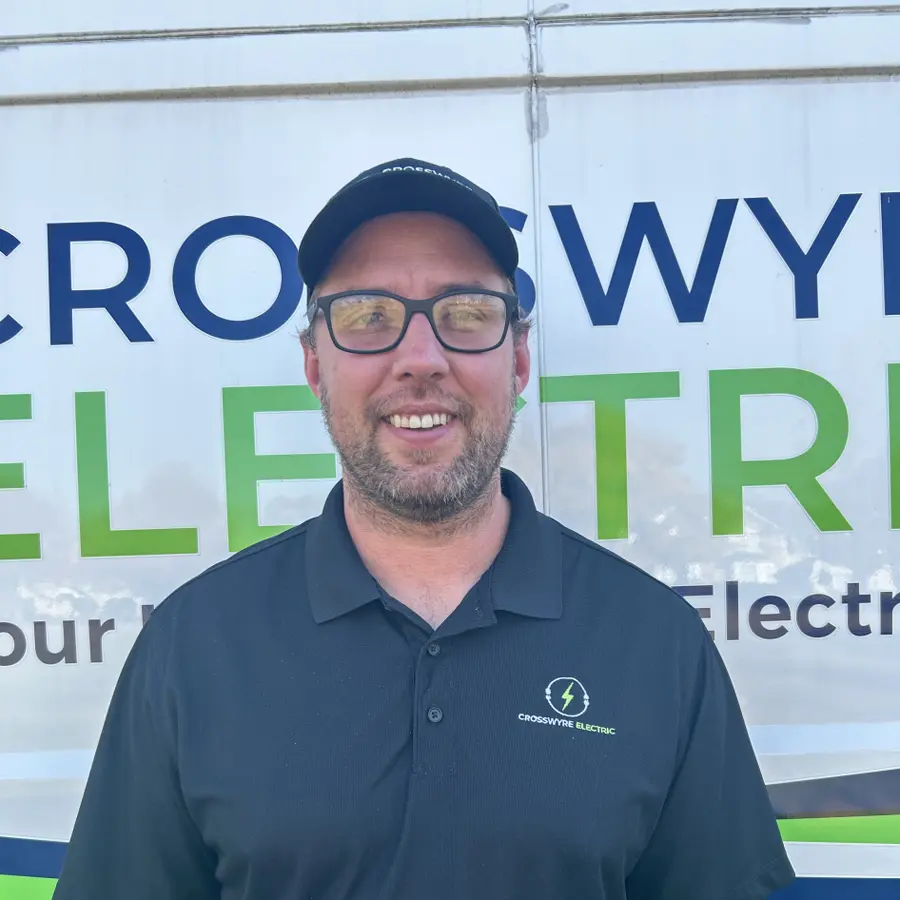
(431, 689)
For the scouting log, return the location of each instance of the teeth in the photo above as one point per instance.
(429, 420)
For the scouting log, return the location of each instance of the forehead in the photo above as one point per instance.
(416, 253)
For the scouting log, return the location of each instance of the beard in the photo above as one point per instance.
(421, 492)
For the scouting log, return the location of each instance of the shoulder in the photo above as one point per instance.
(225, 587)
(600, 584)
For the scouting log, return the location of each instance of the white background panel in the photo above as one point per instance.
(42, 17)
(845, 860)
(163, 170)
(284, 62)
(684, 148)
(671, 49)
(708, 7)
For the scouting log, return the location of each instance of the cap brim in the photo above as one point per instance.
(403, 192)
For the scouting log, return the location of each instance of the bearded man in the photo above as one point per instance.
(430, 690)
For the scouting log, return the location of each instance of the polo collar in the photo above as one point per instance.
(525, 578)
(337, 580)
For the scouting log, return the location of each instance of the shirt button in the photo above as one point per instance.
(434, 649)
(435, 714)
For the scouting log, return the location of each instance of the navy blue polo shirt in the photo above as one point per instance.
(283, 730)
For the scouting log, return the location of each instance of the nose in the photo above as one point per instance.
(420, 354)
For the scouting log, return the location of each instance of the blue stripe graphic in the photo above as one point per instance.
(841, 889)
(33, 859)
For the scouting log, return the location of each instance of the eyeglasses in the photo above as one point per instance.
(463, 320)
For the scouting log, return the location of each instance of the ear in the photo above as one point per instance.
(311, 368)
(522, 362)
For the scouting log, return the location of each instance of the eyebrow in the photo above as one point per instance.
(462, 286)
(475, 284)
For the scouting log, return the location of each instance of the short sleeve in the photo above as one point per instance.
(716, 837)
(133, 836)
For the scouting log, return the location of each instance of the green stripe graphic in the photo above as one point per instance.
(839, 830)
(17, 887)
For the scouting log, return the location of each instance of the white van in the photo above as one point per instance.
(708, 201)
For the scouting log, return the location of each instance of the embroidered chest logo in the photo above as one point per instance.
(569, 699)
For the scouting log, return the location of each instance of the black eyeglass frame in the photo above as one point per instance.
(410, 308)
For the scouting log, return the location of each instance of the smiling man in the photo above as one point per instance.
(430, 689)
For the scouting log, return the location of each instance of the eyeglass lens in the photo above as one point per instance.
(370, 322)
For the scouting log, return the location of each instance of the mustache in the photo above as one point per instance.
(461, 409)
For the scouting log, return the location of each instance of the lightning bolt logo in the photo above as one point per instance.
(574, 691)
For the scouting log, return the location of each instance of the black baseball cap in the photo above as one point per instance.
(405, 185)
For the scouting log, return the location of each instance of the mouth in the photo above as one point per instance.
(424, 422)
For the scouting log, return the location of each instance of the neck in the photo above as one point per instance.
(412, 560)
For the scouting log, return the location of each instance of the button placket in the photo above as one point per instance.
(435, 713)
(434, 692)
